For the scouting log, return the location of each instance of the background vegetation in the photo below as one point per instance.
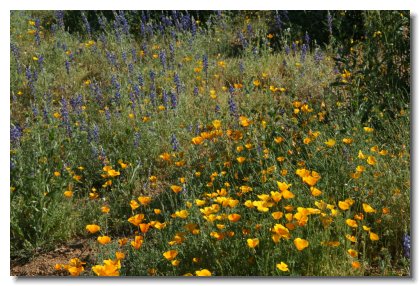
(213, 114)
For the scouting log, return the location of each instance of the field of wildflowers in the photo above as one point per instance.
(201, 143)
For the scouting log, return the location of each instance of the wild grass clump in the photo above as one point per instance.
(182, 145)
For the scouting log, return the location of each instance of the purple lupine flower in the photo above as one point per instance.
(259, 149)
(152, 77)
(65, 115)
(198, 129)
(41, 62)
(45, 109)
(287, 49)
(16, 133)
(111, 58)
(232, 107)
(47, 100)
(174, 100)
(134, 55)
(144, 16)
(133, 101)
(318, 56)
(162, 19)
(45, 114)
(186, 22)
(177, 83)
(118, 95)
(190, 128)
(249, 30)
(174, 143)
(86, 23)
(37, 38)
(28, 74)
(93, 134)
(162, 57)
(165, 99)
(47, 97)
(217, 108)
(117, 30)
(130, 67)
(35, 75)
(329, 22)
(166, 21)
(176, 16)
(31, 77)
(83, 126)
(124, 56)
(124, 23)
(161, 28)
(117, 87)
(171, 51)
(114, 82)
(76, 103)
(142, 28)
(193, 27)
(141, 80)
(150, 29)
(34, 109)
(136, 89)
(59, 15)
(307, 39)
(53, 29)
(144, 48)
(102, 21)
(37, 34)
(281, 111)
(303, 53)
(107, 114)
(195, 91)
(15, 50)
(205, 64)
(407, 245)
(152, 88)
(174, 35)
(67, 64)
(278, 21)
(242, 39)
(294, 47)
(102, 38)
(285, 15)
(94, 87)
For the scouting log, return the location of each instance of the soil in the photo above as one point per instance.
(43, 263)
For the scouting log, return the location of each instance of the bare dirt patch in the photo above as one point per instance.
(43, 263)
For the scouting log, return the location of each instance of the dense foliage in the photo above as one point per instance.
(212, 143)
